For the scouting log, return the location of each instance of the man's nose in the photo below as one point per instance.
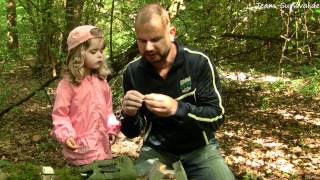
(149, 46)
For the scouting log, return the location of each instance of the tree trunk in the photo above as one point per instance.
(11, 23)
(44, 53)
(73, 18)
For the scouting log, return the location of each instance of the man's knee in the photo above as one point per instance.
(207, 163)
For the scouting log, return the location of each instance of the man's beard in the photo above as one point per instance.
(162, 56)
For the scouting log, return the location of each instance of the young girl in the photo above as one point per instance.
(82, 116)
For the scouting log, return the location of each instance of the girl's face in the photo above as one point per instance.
(93, 56)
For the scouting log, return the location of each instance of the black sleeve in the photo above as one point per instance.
(208, 107)
(131, 126)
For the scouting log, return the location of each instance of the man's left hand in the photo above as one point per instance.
(160, 104)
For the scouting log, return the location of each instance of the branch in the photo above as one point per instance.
(27, 97)
(244, 52)
(55, 25)
(121, 60)
(244, 36)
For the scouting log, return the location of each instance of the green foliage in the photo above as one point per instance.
(117, 93)
(278, 86)
(256, 50)
(265, 103)
(4, 163)
(249, 176)
(68, 173)
(311, 87)
(23, 171)
(308, 84)
(310, 70)
(5, 93)
(204, 33)
(28, 171)
(3, 29)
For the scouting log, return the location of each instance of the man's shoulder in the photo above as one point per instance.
(134, 64)
(194, 53)
(195, 58)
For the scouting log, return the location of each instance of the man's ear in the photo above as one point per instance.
(172, 32)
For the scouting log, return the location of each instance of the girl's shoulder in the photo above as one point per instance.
(65, 80)
(103, 83)
(65, 83)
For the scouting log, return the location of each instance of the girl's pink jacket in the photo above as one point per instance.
(85, 113)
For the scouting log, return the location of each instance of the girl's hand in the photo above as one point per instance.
(112, 138)
(71, 143)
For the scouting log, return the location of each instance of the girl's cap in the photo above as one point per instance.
(79, 35)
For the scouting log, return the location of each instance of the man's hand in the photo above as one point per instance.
(161, 105)
(132, 101)
(71, 143)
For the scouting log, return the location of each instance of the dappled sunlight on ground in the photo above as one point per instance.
(270, 134)
(241, 76)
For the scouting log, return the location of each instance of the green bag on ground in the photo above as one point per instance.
(118, 168)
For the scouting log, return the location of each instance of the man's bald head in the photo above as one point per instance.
(151, 12)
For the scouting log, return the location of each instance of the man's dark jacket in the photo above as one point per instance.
(193, 81)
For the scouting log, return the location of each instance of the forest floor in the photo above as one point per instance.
(271, 132)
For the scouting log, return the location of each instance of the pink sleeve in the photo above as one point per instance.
(62, 126)
(113, 125)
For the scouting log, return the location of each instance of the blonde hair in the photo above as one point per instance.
(75, 70)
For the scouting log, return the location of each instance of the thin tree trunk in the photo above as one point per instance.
(11, 23)
(44, 42)
(110, 34)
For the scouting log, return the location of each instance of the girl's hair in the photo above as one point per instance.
(75, 70)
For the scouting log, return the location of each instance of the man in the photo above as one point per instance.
(172, 97)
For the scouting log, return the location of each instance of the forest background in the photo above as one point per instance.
(267, 53)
